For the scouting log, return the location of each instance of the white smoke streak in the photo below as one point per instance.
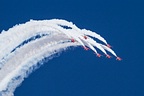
(19, 55)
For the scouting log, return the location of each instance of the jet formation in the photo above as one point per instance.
(97, 54)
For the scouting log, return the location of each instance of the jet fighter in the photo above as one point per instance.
(85, 48)
(118, 58)
(99, 55)
(108, 45)
(85, 37)
(108, 56)
(72, 40)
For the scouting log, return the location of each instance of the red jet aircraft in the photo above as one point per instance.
(85, 37)
(108, 45)
(108, 56)
(118, 58)
(99, 55)
(85, 48)
(72, 40)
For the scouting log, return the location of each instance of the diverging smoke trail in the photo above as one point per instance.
(25, 46)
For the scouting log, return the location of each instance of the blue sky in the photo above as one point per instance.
(77, 72)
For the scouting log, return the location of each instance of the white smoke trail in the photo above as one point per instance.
(25, 46)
